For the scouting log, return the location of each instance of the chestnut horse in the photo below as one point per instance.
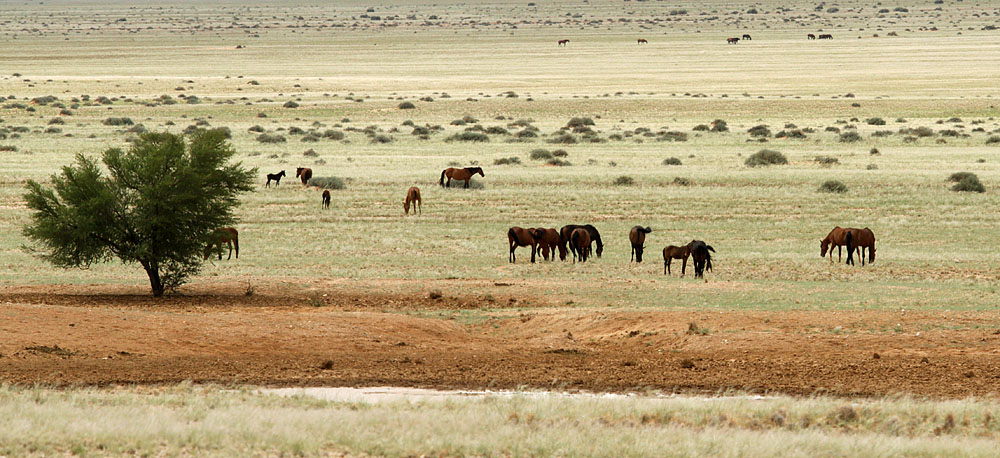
(701, 257)
(838, 238)
(643, 41)
(465, 175)
(326, 198)
(549, 240)
(517, 236)
(304, 174)
(579, 241)
(865, 238)
(595, 236)
(275, 177)
(413, 197)
(562, 42)
(637, 235)
(671, 252)
(225, 235)
(733, 40)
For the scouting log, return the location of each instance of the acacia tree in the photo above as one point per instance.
(158, 205)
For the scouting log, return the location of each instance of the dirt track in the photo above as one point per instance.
(359, 340)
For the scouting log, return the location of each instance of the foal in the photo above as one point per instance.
(413, 197)
(276, 177)
(225, 235)
(326, 199)
(675, 252)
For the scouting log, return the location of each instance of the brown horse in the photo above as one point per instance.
(275, 177)
(643, 41)
(671, 252)
(838, 238)
(595, 236)
(304, 174)
(701, 257)
(826, 36)
(865, 239)
(580, 242)
(746, 36)
(326, 198)
(637, 235)
(465, 175)
(517, 236)
(549, 240)
(732, 41)
(562, 42)
(811, 36)
(413, 197)
(225, 235)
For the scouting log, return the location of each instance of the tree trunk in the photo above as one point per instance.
(153, 271)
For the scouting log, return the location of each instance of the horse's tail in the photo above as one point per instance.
(709, 248)
(847, 241)
(511, 235)
(441, 182)
(646, 229)
(236, 243)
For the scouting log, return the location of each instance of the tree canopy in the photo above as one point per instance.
(157, 204)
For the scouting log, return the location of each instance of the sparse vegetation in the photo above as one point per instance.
(624, 180)
(766, 157)
(833, 186)
(336, 183)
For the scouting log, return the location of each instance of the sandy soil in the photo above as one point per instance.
(71, 335)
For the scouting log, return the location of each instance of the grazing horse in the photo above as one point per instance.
(865, 238)
(225, 235)
(562, 42)
(643, 41)
(732, 41)
(413, 197)
(326, 198)
(826, 36)
(671, 252)
(304, 174)
(275, 177)
(465, 175)
(579, 240)
(701, 257)
(548, 241)
(746, 36)
(811, 36)
(595, 236)
(517, 236)
(637, 235)
(837, 237)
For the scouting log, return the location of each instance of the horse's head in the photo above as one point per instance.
(298, 171)
(479, 170)
(406, 206)
(823, 246)
(871, 253)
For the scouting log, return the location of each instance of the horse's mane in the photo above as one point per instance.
(473, 169)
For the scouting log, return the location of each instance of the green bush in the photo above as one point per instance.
(118, 122)
(827, 160)
(833, 186)
(513, 160)
(759, 131)
(560, 153)
(849, 137)
(540, 155)
(562, 138)
(993, 140)
(624, 180)
(558, 162)
(580, 122)
(681, 181)
(671, 161)
(875, 121)
(271, 138)
(719, 126)
(381, 138)
(959, 176)
(327, 182)
(764, 158)
(969, 184)
(333, 134)
(290, 104)
(407, 106)
(468, 136)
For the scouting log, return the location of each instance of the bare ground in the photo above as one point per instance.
(65, 335)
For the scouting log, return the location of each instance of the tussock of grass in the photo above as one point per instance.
(671, 161)
(468, 136)
(833, 186)
(328, 182)
(966, 182)
(540, 154)
(624, 180)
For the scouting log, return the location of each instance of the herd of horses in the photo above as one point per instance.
(731, 40)
(578, 240)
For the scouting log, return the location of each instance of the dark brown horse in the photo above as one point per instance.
(826, 36)
(549, 240)
(225, 235)
(746, 36)
(465, 175)
(838, 238)
(811, 36)
(579, 241)
(595, 236)
(326, 198)
(413, 197)
(517, 236)
(732, 41)
(701, 256)
(637, 236)
(865, 239)
(304, 174)
(671, 252)
(275, 177)
(643, 41)
(562, 42)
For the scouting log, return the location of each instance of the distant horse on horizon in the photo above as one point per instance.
(642, 41)
(562, 42)
(746, 36)
(732, 40)
(413, 197)
(275, 177)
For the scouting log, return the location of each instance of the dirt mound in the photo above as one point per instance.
(54, 337)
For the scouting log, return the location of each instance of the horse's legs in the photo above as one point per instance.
(230, 251)
(534, 248)
(666, 266)
(684, 264)
(840, 254)
(511, 257)
(467, 183)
